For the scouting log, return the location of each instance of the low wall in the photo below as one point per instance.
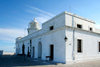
(1, 52)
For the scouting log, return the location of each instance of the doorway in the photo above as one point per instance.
(33, 52)
(23, 49)
(28, 53)
(51, 52)
(39, 50)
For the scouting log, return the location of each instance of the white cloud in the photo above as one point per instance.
(42, 18)
(42, 15)
(39, 10)
(11, 34)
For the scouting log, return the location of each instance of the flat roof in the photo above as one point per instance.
(71, 14)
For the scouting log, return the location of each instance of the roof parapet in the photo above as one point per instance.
(72, 14)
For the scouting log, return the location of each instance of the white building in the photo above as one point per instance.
(64, 38)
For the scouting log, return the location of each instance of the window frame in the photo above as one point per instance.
(51, 28)
(79, 26)
(91, 29)
(30, 42)
(98, 46)
(81, 49)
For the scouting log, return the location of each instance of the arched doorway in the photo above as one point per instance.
(28, 53)
(23, 49)
(39, 50)
(33, 52)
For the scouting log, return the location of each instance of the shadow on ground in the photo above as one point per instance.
(14, 61)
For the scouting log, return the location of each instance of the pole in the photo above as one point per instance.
(73, 35)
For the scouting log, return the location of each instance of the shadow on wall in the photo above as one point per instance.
(14, 61)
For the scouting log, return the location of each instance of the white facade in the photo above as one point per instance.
(63, 36)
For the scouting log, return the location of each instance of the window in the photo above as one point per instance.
(99, 46)
(51, 27)
(79, 45)
(30, 43)
(28, 31)
(79, 26)
(90, 29)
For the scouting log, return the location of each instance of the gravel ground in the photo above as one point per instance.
(19, 61)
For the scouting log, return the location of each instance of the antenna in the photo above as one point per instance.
(70, 8)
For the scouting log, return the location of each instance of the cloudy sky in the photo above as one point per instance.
(15, 15)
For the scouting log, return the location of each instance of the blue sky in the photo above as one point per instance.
(16, 14)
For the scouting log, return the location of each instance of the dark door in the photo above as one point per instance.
(28, 54)
(33, 52)
(39, 50)
(23, 49)
(51, 52)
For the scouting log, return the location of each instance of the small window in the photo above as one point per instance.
(79, 45)
(51, 27)
(90, 29)
(79, 26)
(99, 46)
(28, 31)
(30, 43)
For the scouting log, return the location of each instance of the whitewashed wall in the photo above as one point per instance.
(89, 45)
(55, 38)
(47, 37)
(86, 24)
(63, 50)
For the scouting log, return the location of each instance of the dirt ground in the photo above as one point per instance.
(20, 61)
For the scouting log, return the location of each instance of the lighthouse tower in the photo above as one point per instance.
(33, 26)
